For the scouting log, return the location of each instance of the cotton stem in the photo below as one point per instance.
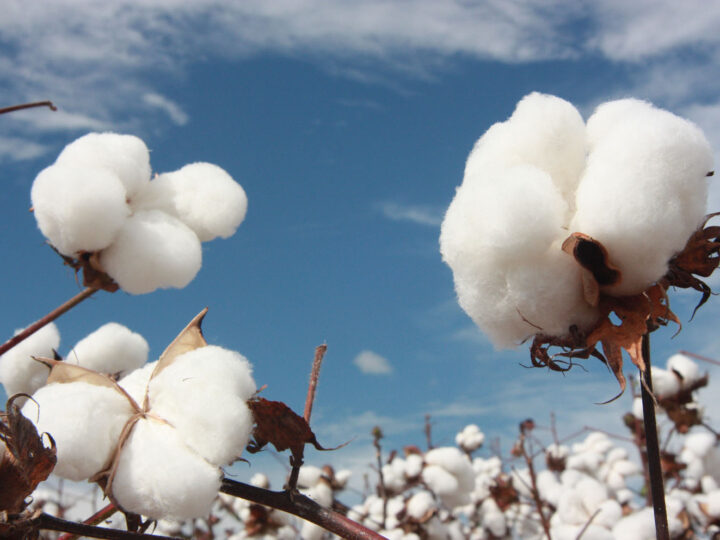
(653, 448)
(98, 517)
(51, 523)
(14, 108)
(47, 319)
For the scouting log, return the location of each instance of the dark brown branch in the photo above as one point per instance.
(47, 319)
(13, 108)
(301, 506)
(98, 517)
(51, 523)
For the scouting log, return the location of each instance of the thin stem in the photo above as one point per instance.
(314, 375)
(51, 523)
(303, 507)
(700, 357)
(14, 108)
(428, 432)
(533, 488)
(377, 435)
(98, 517)
(50, 317)
(657, 489)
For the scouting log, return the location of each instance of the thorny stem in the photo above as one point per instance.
(50, 317)
(653, 449)
(534, 489)
(303, 507)
(377, 435)
(314, 375)
(98, 517)
(51, 523)
(13, 108)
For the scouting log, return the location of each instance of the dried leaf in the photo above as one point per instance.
(94, 275)
(189, 339)
(25, 461)
(593, 257)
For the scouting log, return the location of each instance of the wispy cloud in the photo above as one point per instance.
(421, 215)
(372, 363)
(168, 106)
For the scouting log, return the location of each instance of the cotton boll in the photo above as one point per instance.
(607, 116)
(643, 193)
(685, 368)
(78, 209)
(201, 195)
(19, 373)
(420, 504)
(639, 525)
(470, 438)
(85, 420)
(136, 382)
(665, 383)
(126, 156)
(153, 250)
(309, 475)
(159, 477)
(413, 466)
(203, 394)
(450, 475)
(112, 348)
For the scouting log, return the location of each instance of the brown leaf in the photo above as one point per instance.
(25, 461)
(593, 257)
(88, 262)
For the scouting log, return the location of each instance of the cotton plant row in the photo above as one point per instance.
(98, 204)
(630, 185)
(154, 436)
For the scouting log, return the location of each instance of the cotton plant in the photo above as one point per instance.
(159, 453)
(98, 207)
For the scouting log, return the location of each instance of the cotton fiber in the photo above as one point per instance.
(19, 373)
(633, 178)
(112, 348)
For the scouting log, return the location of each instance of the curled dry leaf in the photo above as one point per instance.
(25, 461)
(94, 275)
(593, 258)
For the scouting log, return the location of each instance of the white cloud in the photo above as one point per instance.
(422, 215)
(17, 149)
(168, 106)
(372, 363)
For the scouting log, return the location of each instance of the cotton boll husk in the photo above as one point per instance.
(683, 366)
(160, 477)
(136, 382)
(112, 348)
(78, 209)
(153, 250)
(126, 156)
(544, 131)
(644, 193)
(19, 373)
(85, 420)
(201, 195)
(203, 394)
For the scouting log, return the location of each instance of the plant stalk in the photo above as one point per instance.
(652, 446)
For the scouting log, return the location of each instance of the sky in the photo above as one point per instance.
(348, 125)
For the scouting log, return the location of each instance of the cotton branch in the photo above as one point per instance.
(51, 523)
(301, 506)
(13, 108)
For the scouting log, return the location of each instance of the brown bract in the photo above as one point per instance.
(93, 273)
(25, 460)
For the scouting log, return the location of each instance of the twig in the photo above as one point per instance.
(700, 357)
(98, 517)
(377, 435)
(587, 524)
(51, 523)
(533, 480)
(13, 108)
(428, 432)
(662, 531)
(314, 375)
(50, 317)
(303, 507)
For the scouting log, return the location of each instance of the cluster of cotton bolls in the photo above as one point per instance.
(159, 435)
(98, 197)
(113, 349)
(633, 178)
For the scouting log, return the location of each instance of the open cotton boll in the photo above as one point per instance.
(136, 382)
(77, 208)
(112, 348)
(158, 476)
(685, 368)
(19, 373)
(470, 438)
(544, 131)
(644, 193)
(449, 474)
(85, 420)
(204, 394)
(126, 156)
(153, 250)
(665, 383)
(201, 195)
(420, 504)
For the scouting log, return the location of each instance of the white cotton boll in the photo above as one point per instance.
(136, 382)
(572, 532)
(394, 474)
(544, 131)
(420, 504)
(309, 475)
(685, 368)
(440, 481)
(713, 504)
(78, 209)
(708, 484)
(126, 156)
(639, 525)
(260, 480)
(665, 383)
(342, 477)
(321, 493)
(637, 407)
(201, 195)
(395, 506)
(470, 438)
(85, 420)
(549, 487)
(413, 466)
(19, 373)
(450, 475)
(607, 116)
(203, 394)
(643, 193)
(159, 477)
(153, 250)
(112, 348)
(493, 518)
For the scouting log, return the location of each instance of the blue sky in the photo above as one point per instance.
(348, 125)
